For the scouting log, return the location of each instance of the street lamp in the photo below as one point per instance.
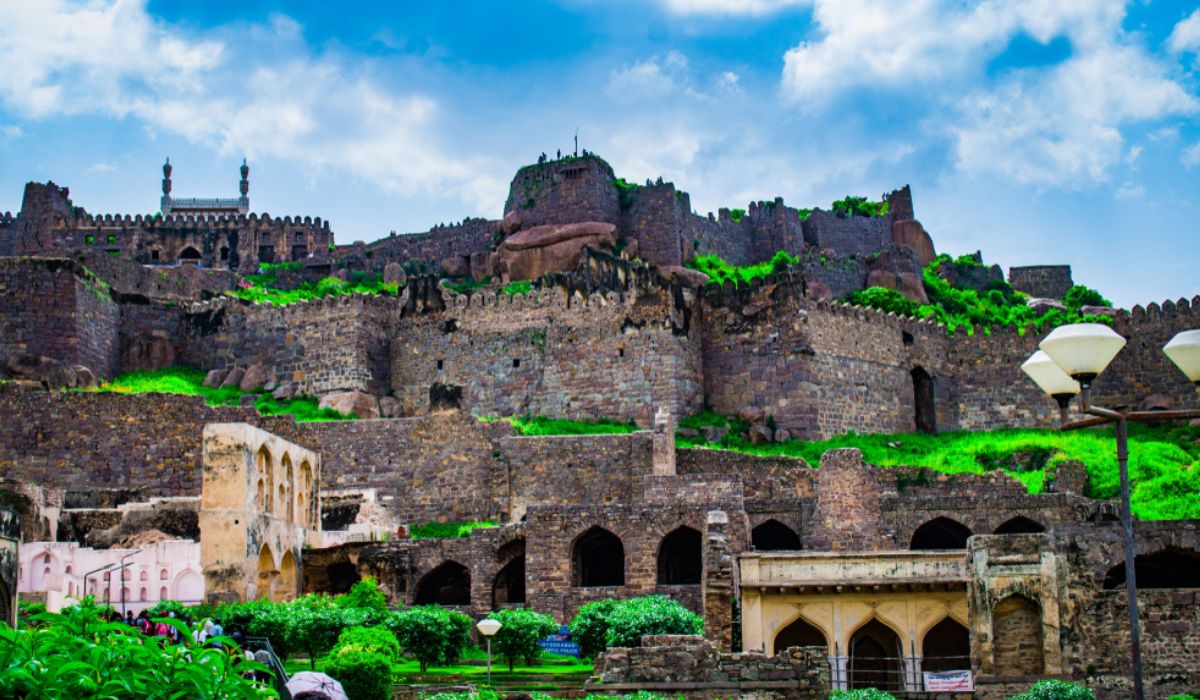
(488, 627)
(1070, 359)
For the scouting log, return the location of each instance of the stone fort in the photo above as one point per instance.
(940, 572)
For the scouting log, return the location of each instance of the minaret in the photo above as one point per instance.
(165, 206)
(244, 187)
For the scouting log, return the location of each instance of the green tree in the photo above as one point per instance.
(590, 627)
(363, 675)
(1056, 690)
(369, 640)
(431, 633)
(637, 617)
(365, 595)
(313, 624)
(519, 633)
(1079, 296)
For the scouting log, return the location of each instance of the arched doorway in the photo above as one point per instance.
(189, 256)
(680, 558)
(1017, 637)
(286, 507)
(774, 536)
(266, 572)
(598, 559)
(41, 569)
(946, 647)
(924, 413)
(1019, 525)
(1168, 568)
(448, 584)
(875, 658)
(302, 500)
(940, 534)
(266, 479)
(800, 633)
(288, 578)
(509, 586)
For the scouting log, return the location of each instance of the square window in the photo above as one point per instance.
(516, 362)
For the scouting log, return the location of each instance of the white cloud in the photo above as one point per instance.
(101, 168)
(10, 132)
(1129, 190)
(1186, 35)
(314, 111)
(729, 7)
(1134, 154)
(1190, 156)
(663, 75)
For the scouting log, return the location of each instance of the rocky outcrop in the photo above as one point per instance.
(910, 234)
(531, 253)
(49, 372)
(359, 403)
(692, 279)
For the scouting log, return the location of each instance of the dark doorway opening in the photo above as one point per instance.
(947, 647)
(444, 397)
(448, 584)
(875, 661)
(923, 407)
(800, 633)
(1169, 568)
(342, 577)
(774, 536)
(509, 586)
(1019, 525)
(189, 256)
(680, 557)
(598, 559)
(941, 533)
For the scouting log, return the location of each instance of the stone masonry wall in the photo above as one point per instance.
(1048, 281)
(654, 218)
(430, 248)
(563, 192)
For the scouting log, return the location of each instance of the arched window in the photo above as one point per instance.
(509, 586)
(189, 256)
(598, 559)
(800, 633)
(448, 584)
(924, 413)
(68, 570)
(142, 594)
(189, 587)
(163, 575)
(266, 475)
(1017, 637)
(941, 533)
(144, 576)
(1168, 568)
(286, 509)
(162, 593)
(774, 536)
(1019, 525)
(303, 488)
(875, 658)
(679, 557)
(946, 647)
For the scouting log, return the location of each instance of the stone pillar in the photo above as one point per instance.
(664, 442)
(848, 516)
(718, 587)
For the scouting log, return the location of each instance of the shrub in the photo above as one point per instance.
(861, 694)
(364, 676)
(519, 633)
(431, 633)
(518, 287)
(859, 206)
(1056, 690)
(365, 595)
(719, 271)
(312, 625)
(636, 617)
(369, 640)
(887, 300)
(1080, 295)
(164, 608)
(589, 629)
(434, 531)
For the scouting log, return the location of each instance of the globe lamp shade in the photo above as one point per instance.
(1082, 350)
(488, 627)
(1184, 351)
(1049, 377)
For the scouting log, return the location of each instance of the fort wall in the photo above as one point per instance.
(1048, 281)
(564, 191)
(431, 247)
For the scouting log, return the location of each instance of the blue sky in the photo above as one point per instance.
(1040, 131)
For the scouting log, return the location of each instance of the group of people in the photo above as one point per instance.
(143, 622)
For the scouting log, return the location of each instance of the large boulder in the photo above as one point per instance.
(47, 371)
(511, 223)
(909, 284)
(455, 266)
(686, 277)
(1156, 402)
(234, 378)
(215, 377)
(253, 379)
(85, 378)
(1043, 305)
(912, 235)
(359, 403)
(394, 274)
(533, 252)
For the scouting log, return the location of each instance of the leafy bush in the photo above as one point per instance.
(1056, 690)
(164, 608)
(636, 617)
(541, 425)
(364, 676)
(431, 633)
(77, 654)
(518, 287)
(859, 206)
(589, 628)
(861, 694)
(736, 215)
(262, 288)
(434, 531)
(365, 595)
(1080, 295)
(368, 640)
(886, 300)
(719, 271)
(519, 633)
(313, 624)
(1184, 696)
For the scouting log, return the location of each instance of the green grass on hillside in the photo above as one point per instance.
(719, 271)
(434, 531)
(541, 425)
(1164, 460)
(189, 382)
(262, 288)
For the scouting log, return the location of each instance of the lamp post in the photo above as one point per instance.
(121, 568)
(1070, 359)
(488, 627)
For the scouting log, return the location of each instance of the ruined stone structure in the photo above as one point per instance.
(891, 572)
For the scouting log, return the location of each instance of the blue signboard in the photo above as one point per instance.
(560, 643)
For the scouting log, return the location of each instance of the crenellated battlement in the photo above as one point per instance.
(175, 221)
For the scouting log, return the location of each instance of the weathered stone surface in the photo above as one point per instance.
(760, 434)
(455, 266)
(819, 291)
(693, 279)
(389, 407)
(511, 222)
(912, 235)
(359, 403)
(253, 379)
(1156, 402)
(234, 378)
(84, 378)
(1043, 305)
(46, 371)
(284, 391)
(393, 273)
(1098, 311)
(531, 253)
(752, 414)
(215, 377)
(907, 283)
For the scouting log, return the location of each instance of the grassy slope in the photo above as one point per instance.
(189, 382)
(541, 425)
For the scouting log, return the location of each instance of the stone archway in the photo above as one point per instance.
(267, 573)
(800, 633)
(1019, 525)
(875, 658)
(598, 559)
(940, 534)
(1017, 646)
(946, 647)
(680, 557)
(774, 536)
(289, 583)
(447, 584)
(1171, 567)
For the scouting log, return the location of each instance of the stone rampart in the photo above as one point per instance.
(1048, 281)
(564, 191)
(428, 248)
